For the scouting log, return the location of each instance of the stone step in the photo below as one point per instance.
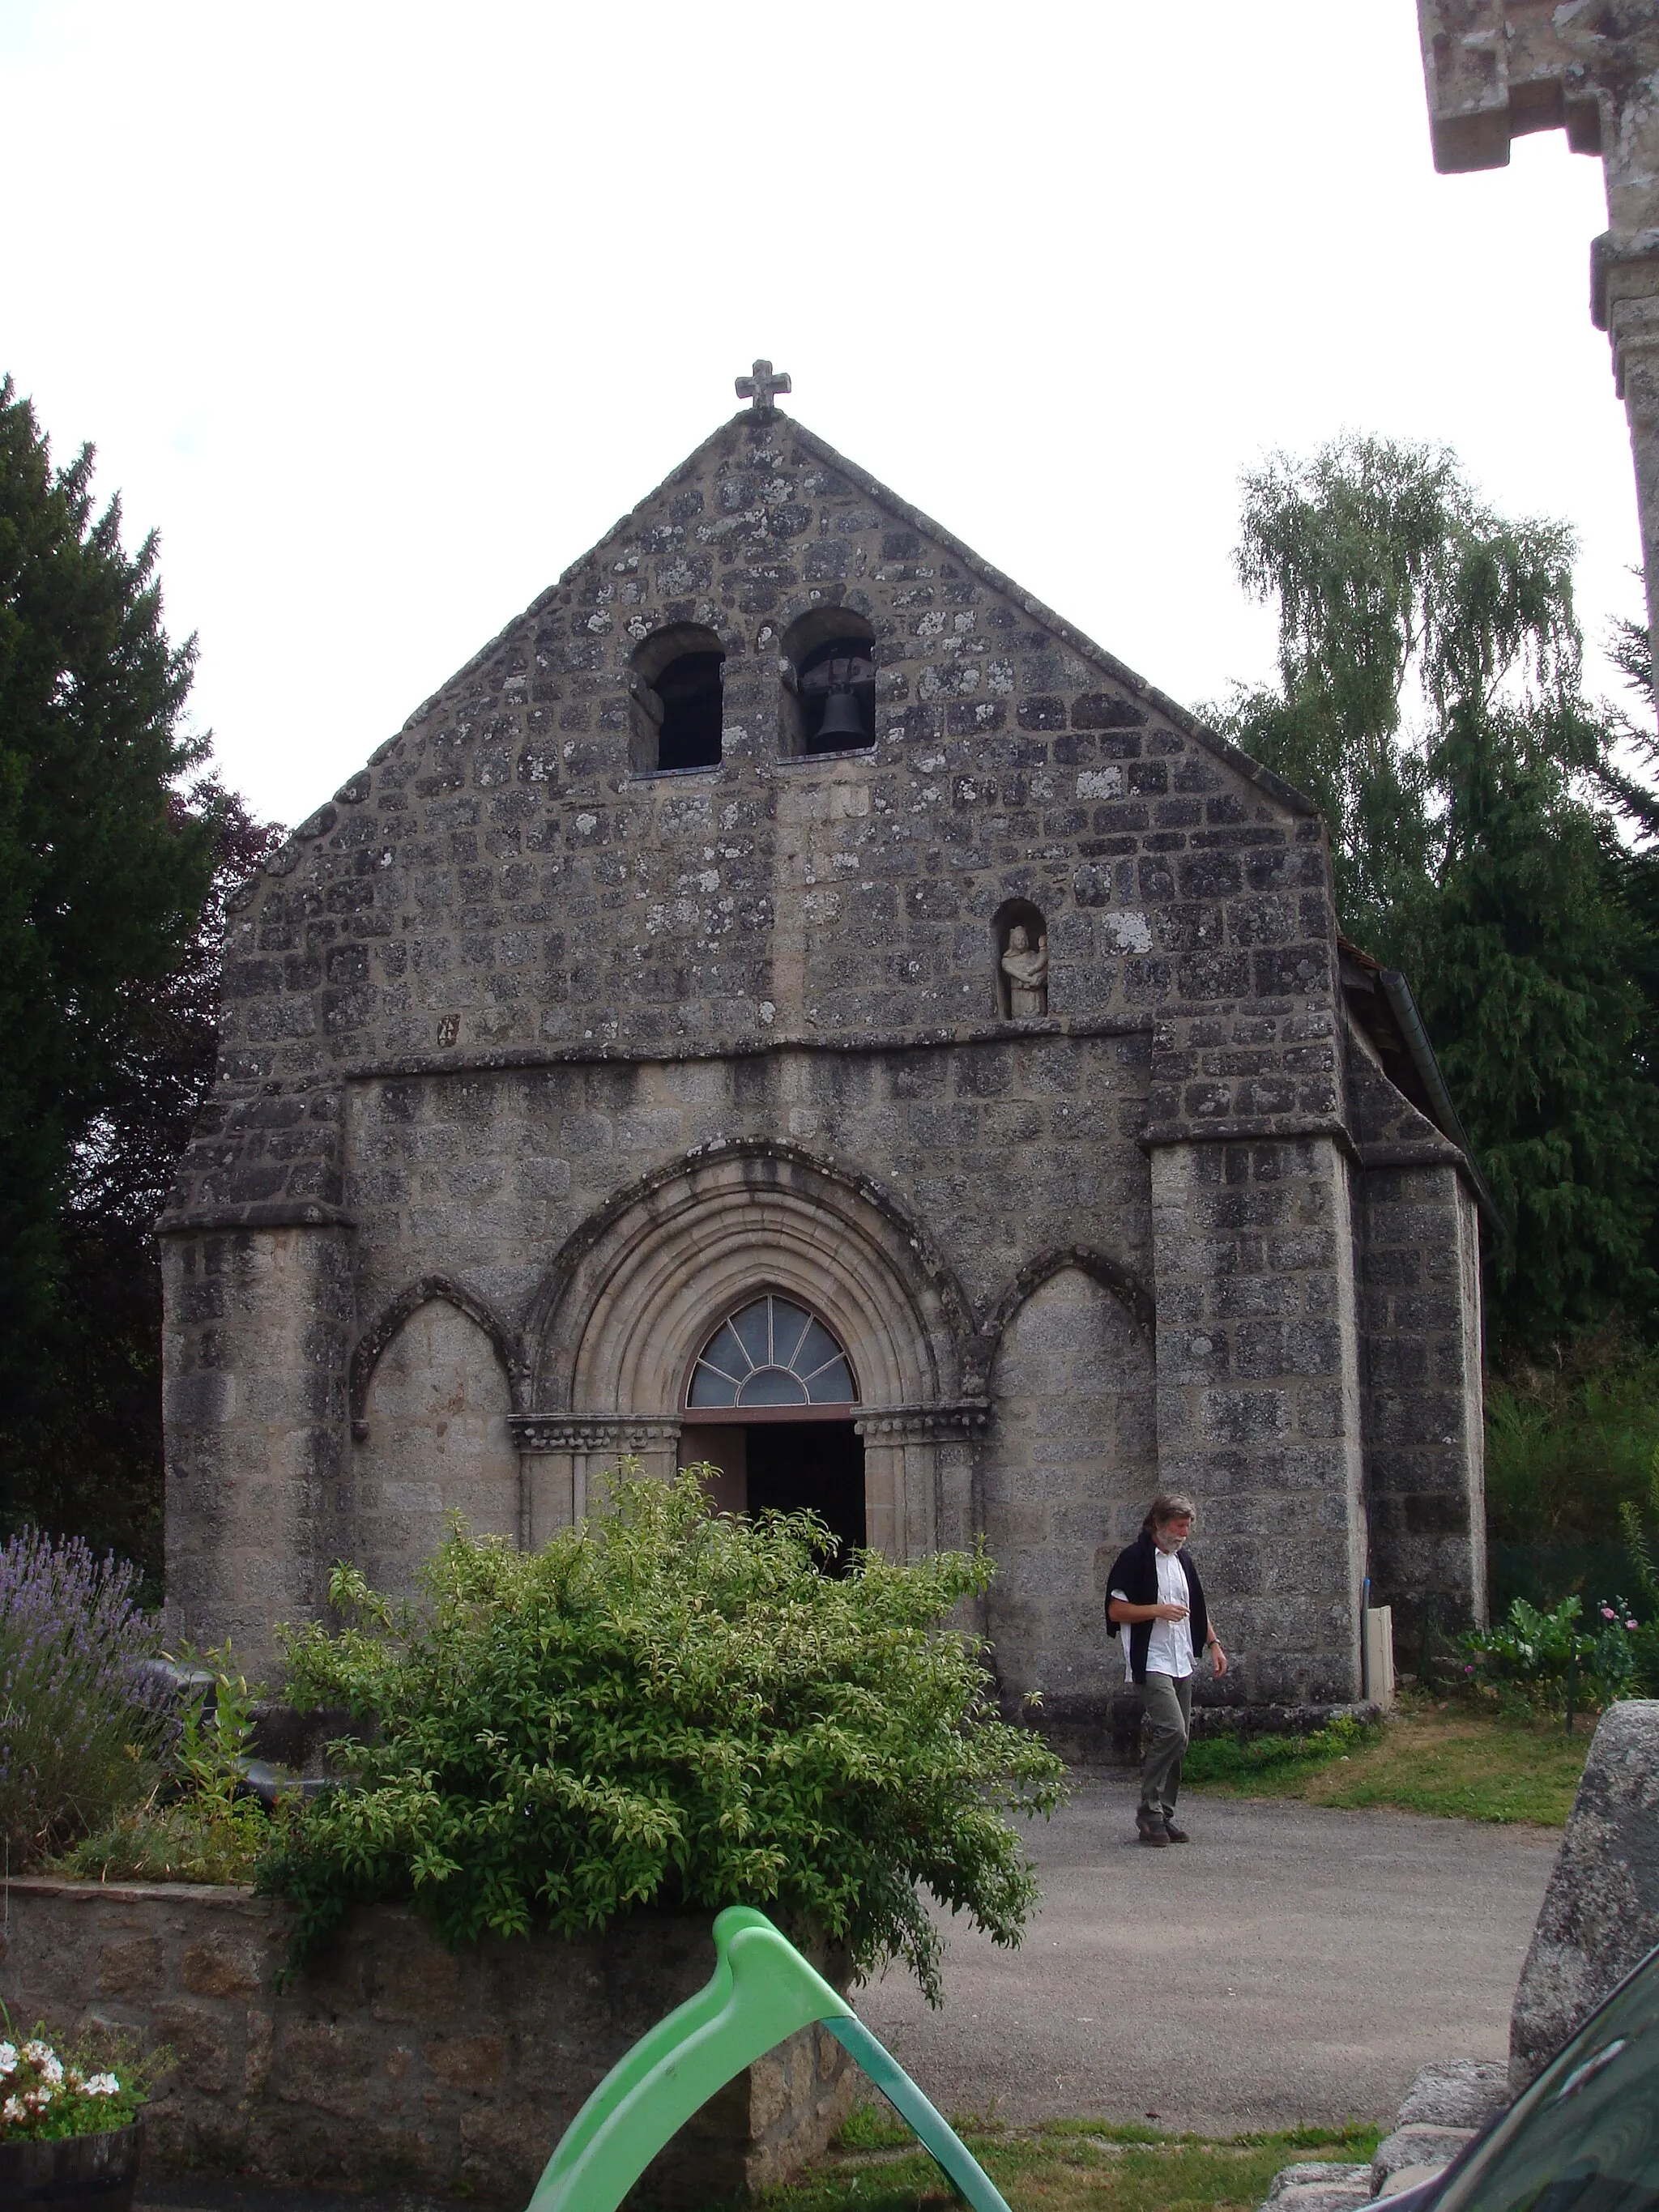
(1319, 2185)
(1458, 2093)
(1417, 2146)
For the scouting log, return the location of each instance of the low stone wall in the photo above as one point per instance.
(393, 2063)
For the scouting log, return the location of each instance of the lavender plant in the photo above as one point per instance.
(75, 1727)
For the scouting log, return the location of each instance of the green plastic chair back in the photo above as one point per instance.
(761, 1992)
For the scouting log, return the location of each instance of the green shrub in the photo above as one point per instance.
(667, 1707)
(197, 1822)
(1551, 1662)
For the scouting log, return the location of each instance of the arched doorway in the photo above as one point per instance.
(627, 1306)
(771, 1400)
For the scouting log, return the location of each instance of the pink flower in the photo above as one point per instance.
(1630, 1624)
(1608, 1613)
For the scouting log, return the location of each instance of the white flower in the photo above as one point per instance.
(34, 2051)
(102, 2085)
(51, 2068)
(38, 2100)
(8, 2059)
(11, 2110)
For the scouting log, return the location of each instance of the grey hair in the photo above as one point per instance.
(1168, 1506)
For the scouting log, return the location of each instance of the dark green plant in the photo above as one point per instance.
(667, 1707)
(1636, 1537)
(1645, 1639)
(1569, 1444)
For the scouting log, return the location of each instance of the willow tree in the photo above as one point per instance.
(1428, 699)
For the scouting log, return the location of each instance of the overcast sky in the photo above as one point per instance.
(382, 314)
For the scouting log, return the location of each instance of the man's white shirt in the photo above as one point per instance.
(1170, 1647)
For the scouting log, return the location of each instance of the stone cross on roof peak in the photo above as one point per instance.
(760, 388)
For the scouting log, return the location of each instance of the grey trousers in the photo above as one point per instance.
(1168, 1707)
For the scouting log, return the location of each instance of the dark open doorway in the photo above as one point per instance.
(797, 1465)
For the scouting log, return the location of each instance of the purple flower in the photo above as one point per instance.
(71, 1639)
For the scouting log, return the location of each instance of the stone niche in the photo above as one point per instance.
(394, 2065)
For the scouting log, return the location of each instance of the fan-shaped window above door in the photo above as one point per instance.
(772, 1352)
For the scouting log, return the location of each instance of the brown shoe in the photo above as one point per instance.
(1175, 1835)
(1152, 1831)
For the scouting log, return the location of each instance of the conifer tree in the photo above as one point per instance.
(110, 840)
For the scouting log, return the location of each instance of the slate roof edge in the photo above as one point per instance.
(1398, 992)
(1275, 787)
(607, 537)
(1186, 722)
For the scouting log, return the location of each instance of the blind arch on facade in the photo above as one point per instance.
(772, 1352)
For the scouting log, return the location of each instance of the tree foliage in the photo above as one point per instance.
(116, 850)
(664, 1706)
(1429, 698)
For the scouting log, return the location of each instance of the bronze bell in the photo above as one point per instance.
(841, 720)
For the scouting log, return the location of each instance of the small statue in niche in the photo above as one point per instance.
(1026, 967)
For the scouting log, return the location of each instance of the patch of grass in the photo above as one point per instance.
(1075, 2166)
(1464, 1761)
(1269, 1759)
(873, 2127)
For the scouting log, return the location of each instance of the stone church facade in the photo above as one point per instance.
(792, 1001)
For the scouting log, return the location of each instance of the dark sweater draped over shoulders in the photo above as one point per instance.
(1135, 1573)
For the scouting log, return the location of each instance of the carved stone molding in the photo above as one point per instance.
(923, 1425)
(590, 1432)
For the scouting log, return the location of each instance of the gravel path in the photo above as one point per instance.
(1290, 1964)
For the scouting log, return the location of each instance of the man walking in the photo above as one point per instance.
(1155, 1594)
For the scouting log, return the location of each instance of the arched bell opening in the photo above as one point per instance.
(677, 698)
(828, 663)
(771, 1402)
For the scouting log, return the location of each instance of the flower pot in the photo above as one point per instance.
(80, 2174)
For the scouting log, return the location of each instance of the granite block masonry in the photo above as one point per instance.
(788, 923)
(394, 2065)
